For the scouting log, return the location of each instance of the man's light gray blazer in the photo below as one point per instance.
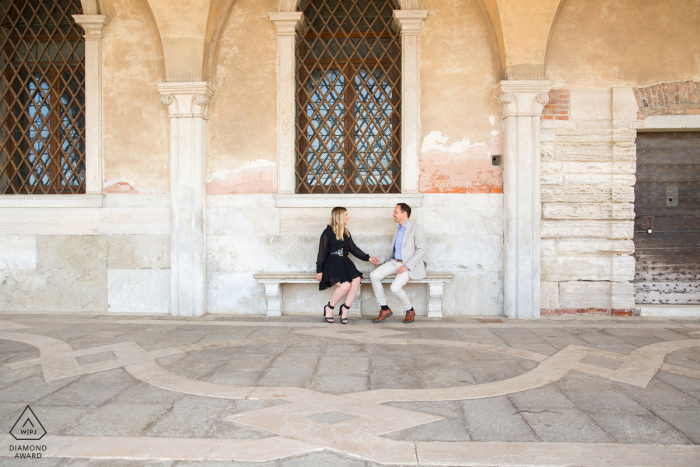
(412, 250)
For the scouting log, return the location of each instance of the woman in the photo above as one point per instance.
(333, 267)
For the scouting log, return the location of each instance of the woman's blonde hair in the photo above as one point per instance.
(338, 222)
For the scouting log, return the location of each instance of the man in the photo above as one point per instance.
(405, 260)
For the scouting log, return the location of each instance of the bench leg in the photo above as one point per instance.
(435, 291)
(273, 293)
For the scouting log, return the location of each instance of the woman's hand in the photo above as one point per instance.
(374, 260)
(319, 276)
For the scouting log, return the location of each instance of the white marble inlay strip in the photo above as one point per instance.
(156, 375)
(46, 345)
(680, 370)
(377, 335)
(546, 372)
(556, 454)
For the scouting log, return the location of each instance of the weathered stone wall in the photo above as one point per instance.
(460, 118)
(135, 138)
(587, 193)
(248, 234)
(599, 43)
(94, 259)
(242, 152)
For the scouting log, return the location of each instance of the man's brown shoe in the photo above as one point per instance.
(410, 316)
(383, 314)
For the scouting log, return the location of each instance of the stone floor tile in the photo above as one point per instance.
(639, 429)
(325, 459)
(234, 377)
(58, 420)
(493, 371)
(339, 384)
(43, 462)
(680, 382)
(91, 390)
(689, 358)
(395, 379)
(443, 430)
(229, 430)
(565, 425)
(659, 395)
(119, 419)
(495, 419)
(547, 397)
(389, 361)
(446, 378)
(147, 394)
(343, 365)
(33, 389)
(224, 464)
(279, 377)
(248, 362)
(605, 401)
(345, 349)
(684, 420)
(191, 417)
(446, 409)
(191, 367)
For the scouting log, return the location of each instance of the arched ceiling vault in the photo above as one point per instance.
(90, 7)
(190, 30)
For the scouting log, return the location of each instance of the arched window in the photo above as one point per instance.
(42, 111)
(348, 98)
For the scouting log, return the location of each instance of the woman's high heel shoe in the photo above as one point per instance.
(340, 313)
(328, 319)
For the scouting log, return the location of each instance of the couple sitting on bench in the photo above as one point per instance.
(334, 268)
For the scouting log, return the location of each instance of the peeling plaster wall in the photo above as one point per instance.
(135, 142)
(460, 118)
(242, 153)
(597, 43)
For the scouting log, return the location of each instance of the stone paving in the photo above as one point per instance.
(294, 391)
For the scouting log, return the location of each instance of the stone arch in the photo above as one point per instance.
(90, 7)
(216, 23)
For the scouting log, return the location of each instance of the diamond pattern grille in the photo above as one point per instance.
(42, 111)
(348, 99)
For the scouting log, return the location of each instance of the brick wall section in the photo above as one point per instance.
(679, 98)
(558, 106)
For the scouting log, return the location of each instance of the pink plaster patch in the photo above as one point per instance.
(120, 187)
(245, 180)
(469, 171)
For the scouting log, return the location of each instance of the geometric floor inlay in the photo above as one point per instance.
(353, 423)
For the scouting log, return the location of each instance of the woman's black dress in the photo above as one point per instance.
(335, 268)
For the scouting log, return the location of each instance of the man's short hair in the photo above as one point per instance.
(405, 208)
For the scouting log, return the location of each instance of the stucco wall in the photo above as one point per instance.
(596, 43)
(136, 155)
(460, 118)
(242, 153)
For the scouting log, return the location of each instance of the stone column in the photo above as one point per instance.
(93, 26)
(408, 22)
(187, 103)
(286, 24)
(522, 102)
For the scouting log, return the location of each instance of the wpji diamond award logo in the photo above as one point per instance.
(28, 428)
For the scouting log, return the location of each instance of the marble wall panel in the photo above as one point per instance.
(234, 293)
(226, 221)
(54, 290)
(17, 252)
(138, 291)
(584, 294)
(71, 251)
(138, 251)
(49, 221)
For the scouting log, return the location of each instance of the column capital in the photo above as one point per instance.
(408, 22)
(92, 24)
(286, 22)
(523, 97)
(186, 99)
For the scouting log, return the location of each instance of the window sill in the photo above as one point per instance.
(52, 201)
(348, 200)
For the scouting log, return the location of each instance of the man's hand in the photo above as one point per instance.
(319, 276)
(401, 270)
(374, 260)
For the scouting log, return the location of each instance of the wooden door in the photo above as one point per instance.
(667, 203)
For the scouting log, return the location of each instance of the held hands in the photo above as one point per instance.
(401, 270)
(374, 260)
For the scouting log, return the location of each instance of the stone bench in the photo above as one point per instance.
(273, 290)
